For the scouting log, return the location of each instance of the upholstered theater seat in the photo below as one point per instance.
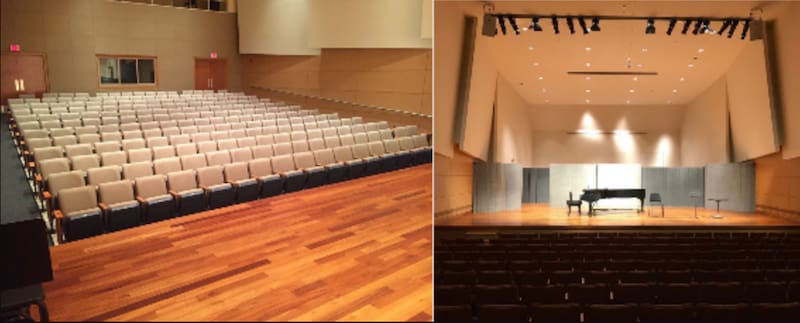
(183, 186)
(120, 208)
(261, 169)
(212, 181)
(157, 203)
(79, 216)
(237, 174)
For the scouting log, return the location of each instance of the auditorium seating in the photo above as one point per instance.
(610, 276)
(235, 148)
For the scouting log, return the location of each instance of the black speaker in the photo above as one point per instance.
(26, 254)
(489, 25)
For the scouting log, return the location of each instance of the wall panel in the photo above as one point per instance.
(734, 181)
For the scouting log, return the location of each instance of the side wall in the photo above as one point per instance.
(72, 32)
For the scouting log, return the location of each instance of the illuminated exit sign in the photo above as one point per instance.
(213, 54)
(14, 47)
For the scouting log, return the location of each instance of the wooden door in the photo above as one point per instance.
(210, 74)
(23, 73)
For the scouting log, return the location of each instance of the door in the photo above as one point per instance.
(23, 73)
(210, 74)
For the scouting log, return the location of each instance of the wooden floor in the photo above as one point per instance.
(544, 215)
(358, 250)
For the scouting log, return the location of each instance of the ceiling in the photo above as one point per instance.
(538, 62)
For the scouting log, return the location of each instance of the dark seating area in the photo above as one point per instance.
(619, 276)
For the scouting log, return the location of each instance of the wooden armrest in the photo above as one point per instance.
(103, 207)
(26, 153)
(46, 195)
(31, 165)
(58, 215)
(59, 226)
(141, 200)
(174, 194)
(204, 187)
(38, 178)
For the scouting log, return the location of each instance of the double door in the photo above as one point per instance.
(210, 74)
(22, 73)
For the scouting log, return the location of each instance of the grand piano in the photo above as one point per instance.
(592, 195)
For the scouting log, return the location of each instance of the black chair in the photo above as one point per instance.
(775, 312)
(542, 294)
(496, 294)
(666, 313)
(452, 295)
(502, 313)
(611, 313)
(453, 313)
(655, 198)
(723, 313)
(555, 312)
(571, 203)
(26, 266)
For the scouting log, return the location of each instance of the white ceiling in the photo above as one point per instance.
(538, 62)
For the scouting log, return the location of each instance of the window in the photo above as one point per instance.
(120, 70)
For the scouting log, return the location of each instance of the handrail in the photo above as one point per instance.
(334, 100)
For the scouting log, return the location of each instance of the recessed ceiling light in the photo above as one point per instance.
(682, 79)
(701, 50)
(691, 65)
(530, 47)
(631, 91)
(628, 102)
(588, 78)
(588, 64)
(639, 65)
(587, 100)
(541, 78)
(544, 90)
(535, 63)
(669, 101)
(546, 100)
(524, 28)
(635, 78)
(588, 91)
(588, 49)
(644, 50)
(674, 90)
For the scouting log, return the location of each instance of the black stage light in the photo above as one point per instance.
(582, 22)
(502, 24)
(651, 29)
(595, 24)
(725, 26)
(555, 25)
(733, 28)
(535, 24)
(570, 25)
(671, 26)
(745, 28)
(489, 25)
(686, 25)
(513, 22)
(697, 27)
(706, 29)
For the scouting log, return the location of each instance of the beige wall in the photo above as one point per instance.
(366, 24)
(72, 32)
(392, 78)
(658, 146)
(787, 32)
(513, 135)
(778, 185)
(274, 27)
(447, 59)
(704, 133)
(453, 183)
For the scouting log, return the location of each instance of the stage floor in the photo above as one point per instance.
(544, 215)
(357, 250)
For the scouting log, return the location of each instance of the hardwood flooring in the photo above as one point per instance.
(358, 250)
(544, 215)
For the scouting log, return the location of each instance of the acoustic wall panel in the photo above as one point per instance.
(674, 184)
(565, 178)
(619, 176)
(536, 185)
(734, 182)
(496, 187)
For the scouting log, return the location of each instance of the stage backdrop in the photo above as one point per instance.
(734, 181)
(565, 178)
(619, 176)
(536, 185)
(675, 184)
(497, 187)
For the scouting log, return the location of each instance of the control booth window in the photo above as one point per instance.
(119, 70)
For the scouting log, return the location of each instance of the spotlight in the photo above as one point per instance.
(725, 26)
(595, 24)
(570, 25)
(535, 24)
(651, 29)
(671, 26)
(582, 22)
(555, 25)
(686, 25)
(733, 28)
(489, 25)
(502, 22)
(513, 22)
(706, 29)
(745, 28)
(697, 27)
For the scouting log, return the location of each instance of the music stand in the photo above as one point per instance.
(696, 197)
(26, 266)
(717, 215)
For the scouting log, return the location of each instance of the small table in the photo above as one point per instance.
(696, 198)
(717, 215)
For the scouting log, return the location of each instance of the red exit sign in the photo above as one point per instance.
(213, 54)
(14, 47)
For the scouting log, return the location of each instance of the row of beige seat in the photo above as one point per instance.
(198, 182)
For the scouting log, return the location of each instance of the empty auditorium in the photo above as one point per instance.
(217, 160)
(617, 161)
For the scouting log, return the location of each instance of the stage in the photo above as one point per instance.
(539, 215)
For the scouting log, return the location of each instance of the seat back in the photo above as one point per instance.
(44, 153)
(78, 150)
(373, 136)
(139, 155)
(241, 155)
(104, 147)
(60, 181)
(376, 148)
(211, 175)
(163, 152)
(63, 140)
(135, 143)
(115, 192)
(167, 165)
(304, 160)
(218, 158)
(85, 162)
(420, 141)
(282, 163)
(342, 154)
(193, 161)
(283, 148)
(136, 170)
(236, 172)
(655, 197)
(182, 181)
(77, 198)
(324, 157)
(226, 144)
(53, 166)
(206, 146)
(260, 167)
(105, 174)
(299, 146)
(391, 145)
